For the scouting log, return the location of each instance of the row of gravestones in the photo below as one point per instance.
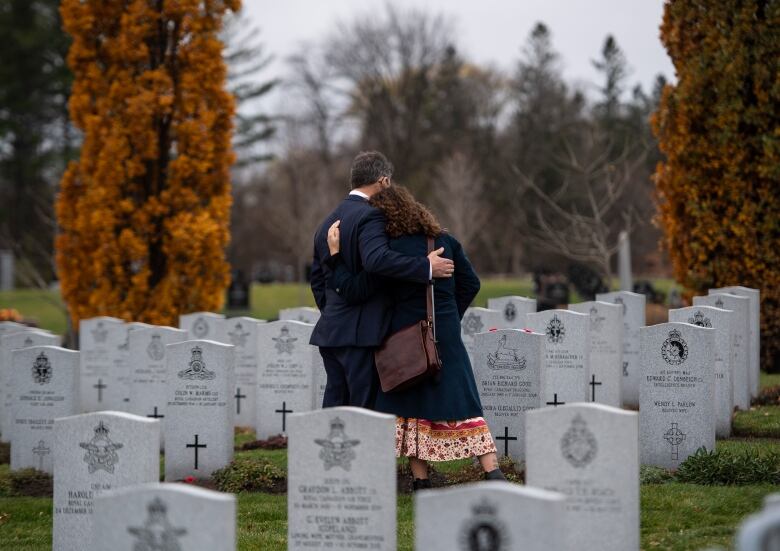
(189, 385)
(689, 374)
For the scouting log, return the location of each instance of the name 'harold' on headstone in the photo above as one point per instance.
(754, 324)
(513, 310)
(566, 370)
(720, 321)
(200, 325)
(93, 453)
(589, 453)
(489, 516)
(633, 305)
(478, 320)
(341, 486)
(241, 332)
(508, 372)
(304, 314)
(164, 517)
(119, 391)
(285, 375)
(148, 393)
(95, 347)
(42, 385)
(605, 383)
(740, 329)
(677, 392)
(198, 424)
(9, 342)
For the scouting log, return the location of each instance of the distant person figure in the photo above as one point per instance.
(437, 420)
(348, 334)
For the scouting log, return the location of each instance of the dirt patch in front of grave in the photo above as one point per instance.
(473, 472)
(5, 453)
(277, 442)
(769, 396)
(29, 483)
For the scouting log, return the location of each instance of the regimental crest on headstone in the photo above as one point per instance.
(100, 333)
(675, 437)
(196, 370)
(619, 300)
(719, 303)
(156, 349)
(41, 369)
(285, 343)
(700, 319)
(510, 311)
(27, 342)
(125, 346)
(596, 320)
(625, 369)
(484, 531)
(101, 451)
(505, 358)
(337, 448)
(555, 330)
(156, 534)
(472, 324)
(578, 444)
(674, 349)
(238, 335)
(200, 328)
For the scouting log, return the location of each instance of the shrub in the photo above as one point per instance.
(247, 474)
(717, 468)
(26, 483)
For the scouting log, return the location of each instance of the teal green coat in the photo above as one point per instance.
(454, 395)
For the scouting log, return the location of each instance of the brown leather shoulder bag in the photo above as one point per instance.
(409, 356)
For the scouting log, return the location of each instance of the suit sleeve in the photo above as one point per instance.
(318, 280)
(353, 288)
(378, 258)
(466, 280)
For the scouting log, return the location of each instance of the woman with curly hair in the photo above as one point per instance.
(437, 420)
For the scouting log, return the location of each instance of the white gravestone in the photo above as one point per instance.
(341, 486)
(478, 320)
(42, 385)
(121, 378)
(566, 369)
(200, 325)
(513, 310)
(320, 379)
(304, 314)
(740, 359)
(242, 333)
(164, 517)
(286, 375)
(94, 453)
(508, 372)
(605, 384)
(8, 343)
(198, 424)
(95, 376)
(148, 393)
(720, 320)
(589, 453)
(677, 392)
(633, 305)
(760, 532)
(8, 326)
(754, 323)
(489, 515)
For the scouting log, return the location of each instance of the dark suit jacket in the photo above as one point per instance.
(364, 247)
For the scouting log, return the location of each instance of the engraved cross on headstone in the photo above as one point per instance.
(99, 386)
(238, 396)
(40, 450)
(593, 384)
(675, 437)
(284, 411)
(197, 446)
(506, 438)
(156, 415)
(555, 401)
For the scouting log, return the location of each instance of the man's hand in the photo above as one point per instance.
(440, 267)
(333, 238)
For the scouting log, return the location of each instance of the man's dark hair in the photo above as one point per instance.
(368, 167)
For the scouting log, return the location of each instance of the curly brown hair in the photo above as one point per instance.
(405, 215)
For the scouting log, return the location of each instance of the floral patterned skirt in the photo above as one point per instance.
(442, 440)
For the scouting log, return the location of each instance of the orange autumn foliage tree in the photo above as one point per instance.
(719, 128)
(144, 213)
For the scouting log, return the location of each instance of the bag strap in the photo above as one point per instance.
(430, 306)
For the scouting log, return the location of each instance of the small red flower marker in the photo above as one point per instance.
(189, 479)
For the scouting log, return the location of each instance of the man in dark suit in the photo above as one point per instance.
(348, 334)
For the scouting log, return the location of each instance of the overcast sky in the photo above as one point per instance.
(491, 31)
